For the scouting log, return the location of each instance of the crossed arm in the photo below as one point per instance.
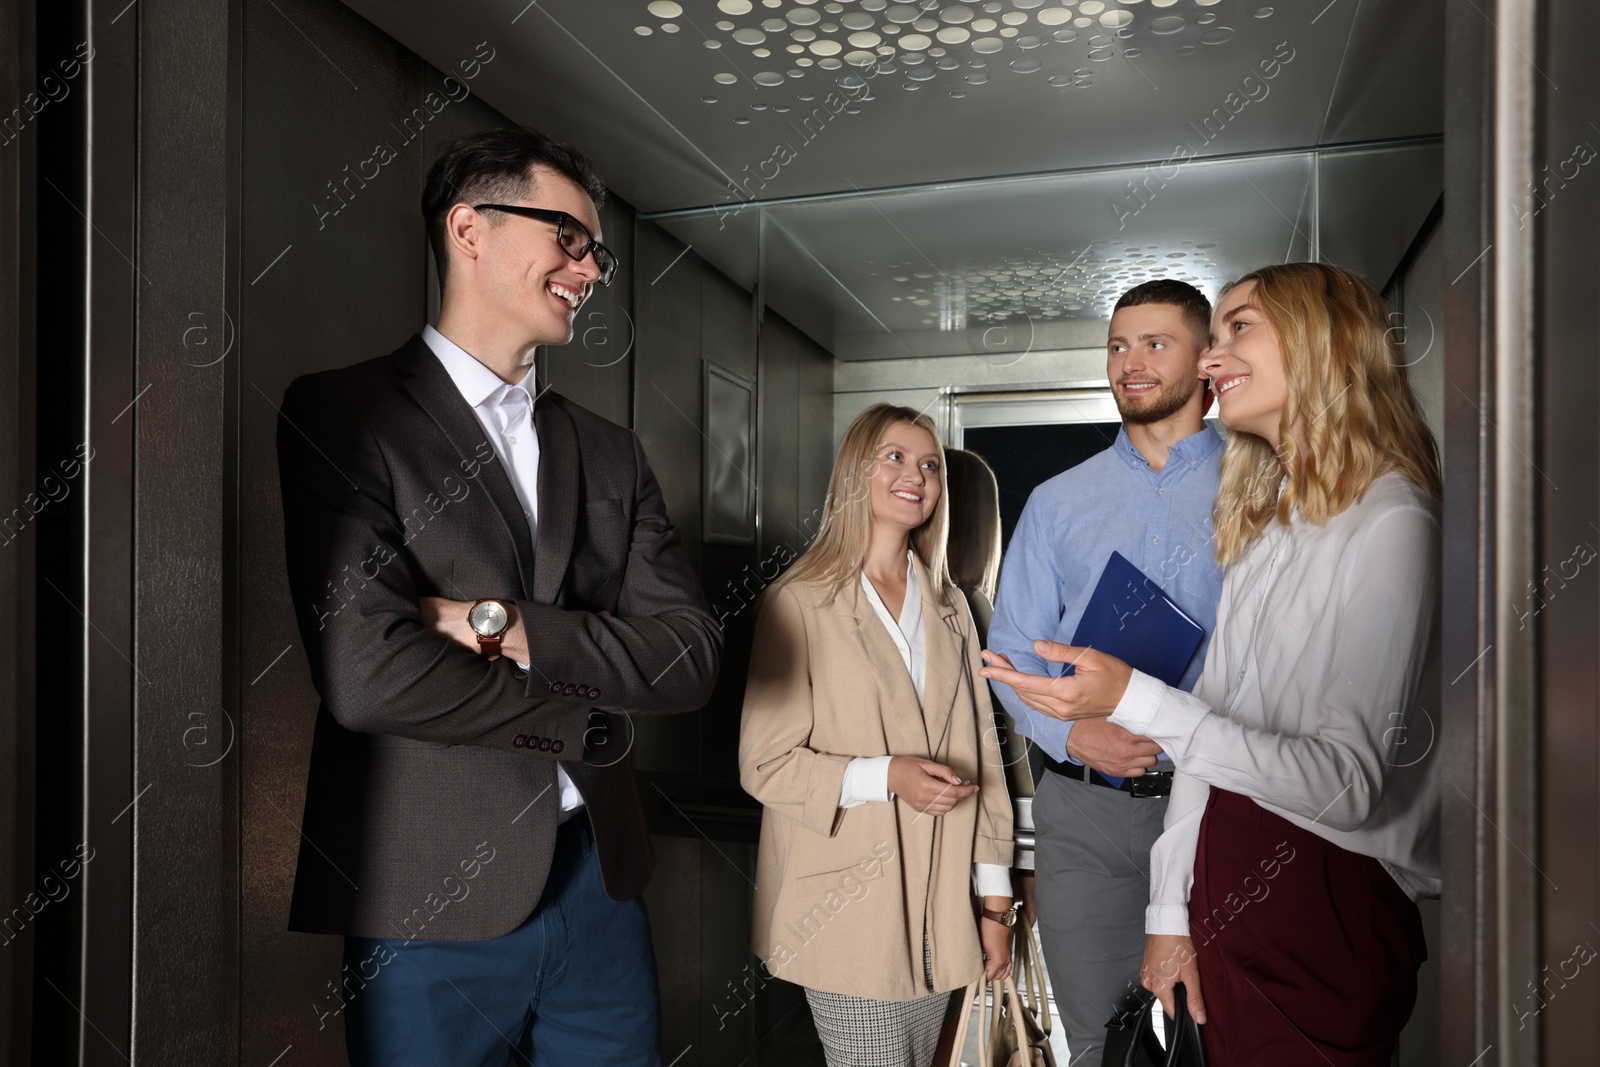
(382, 667)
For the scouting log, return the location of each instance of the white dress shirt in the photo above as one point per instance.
(1308, 701)
(505, 411)
(866, 778)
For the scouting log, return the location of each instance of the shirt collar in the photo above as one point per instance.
(1196, 448)
(476, 382)
(913, 594)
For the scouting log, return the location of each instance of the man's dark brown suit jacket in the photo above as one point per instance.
(432, 800)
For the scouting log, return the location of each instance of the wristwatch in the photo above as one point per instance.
(489, 620)
(1004, 918)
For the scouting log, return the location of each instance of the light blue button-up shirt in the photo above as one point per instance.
(1111, 502)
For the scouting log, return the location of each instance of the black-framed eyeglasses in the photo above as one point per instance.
(573, 236)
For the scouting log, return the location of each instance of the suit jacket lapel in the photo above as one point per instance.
(431, 386)
(946, 660)
(903, 722)
(558, 496)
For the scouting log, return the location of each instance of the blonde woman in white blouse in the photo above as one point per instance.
(869, 741)
(1300, 831)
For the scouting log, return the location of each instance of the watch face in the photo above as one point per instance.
(487, 618)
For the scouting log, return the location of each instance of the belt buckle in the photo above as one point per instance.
(1150, 784)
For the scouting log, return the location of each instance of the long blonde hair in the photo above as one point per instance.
(836, 556)
(974, 545)
(1347, 380)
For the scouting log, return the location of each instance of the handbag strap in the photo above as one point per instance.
(983, 1028)
(1015, 1009)
(958, 1036)
(1183, 1046)
(1032, 956)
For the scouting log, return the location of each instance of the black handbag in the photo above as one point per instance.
(1131, 1039)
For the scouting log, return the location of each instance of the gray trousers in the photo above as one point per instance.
(1093, 869)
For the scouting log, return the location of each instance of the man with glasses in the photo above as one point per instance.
(488, 586)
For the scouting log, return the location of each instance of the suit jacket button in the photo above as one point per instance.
(520, 740)
(556, 745)
(555, 687)
(544, 744)
(569, 689)
(583, 691)
(594, 694)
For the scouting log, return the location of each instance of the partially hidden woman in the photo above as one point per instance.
(1303, 823)
(867, 736)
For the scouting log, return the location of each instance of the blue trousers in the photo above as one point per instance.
(574, 984)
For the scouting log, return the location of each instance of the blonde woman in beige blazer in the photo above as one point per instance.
(866, 737)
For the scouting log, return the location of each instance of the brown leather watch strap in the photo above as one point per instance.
(1004, 918)
(489, 646)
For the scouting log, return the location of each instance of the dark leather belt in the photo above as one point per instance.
(1152, 783)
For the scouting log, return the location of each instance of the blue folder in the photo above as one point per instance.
(1129, 617)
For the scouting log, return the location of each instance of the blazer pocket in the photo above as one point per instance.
(864, 870)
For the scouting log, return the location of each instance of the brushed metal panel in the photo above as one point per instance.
(186, 822)
(667, 410)
(1564, 612)
(18, 582)
(349, 286)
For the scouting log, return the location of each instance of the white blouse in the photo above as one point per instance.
(866, 778)
(1308, 701)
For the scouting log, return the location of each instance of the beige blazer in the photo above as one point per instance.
(843, 895)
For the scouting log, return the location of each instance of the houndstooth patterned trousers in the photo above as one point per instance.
(860, 1032)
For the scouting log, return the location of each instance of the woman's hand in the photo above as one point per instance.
(996, 941)
(931, 788)
(1093, 691)
(1168, 960)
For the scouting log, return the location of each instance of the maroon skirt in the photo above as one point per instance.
(1308, 952)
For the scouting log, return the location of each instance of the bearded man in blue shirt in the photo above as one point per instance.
(1100, 804)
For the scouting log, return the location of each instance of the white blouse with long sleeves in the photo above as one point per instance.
(866, 778)
(1309, 694)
